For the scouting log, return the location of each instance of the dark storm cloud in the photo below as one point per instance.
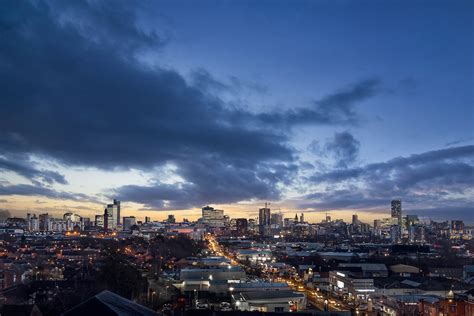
(225, 184)
(206, 82)
(459, 141)
(73, 91)
(439, 213)
(33, 190)
(410, 169)
(24, 168)
(344, 147)
(352, 198)
(432, 178)
(333, 109)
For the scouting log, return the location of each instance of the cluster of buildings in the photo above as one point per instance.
(214, 278)
(395, 266)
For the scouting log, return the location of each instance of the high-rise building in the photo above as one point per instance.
(276, 219)
(213, 217)
(128, 222)
(412, 220)
(147, 219)
(377, 224)
(264, 219)
(45, 222)
(113, 214)
(302, 218)
(28, 222)
(355, 219)
(396, 210)
(171, 219)
(99, 221)
(73, 217)
(395, 234)
(241, 225)
(110, 222)
(457, 227)
(416, 234)
(32, 223)
(264, 216)
(85, 223)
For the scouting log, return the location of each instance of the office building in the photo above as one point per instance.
(213, 217)
(128, 222)
(99, 221)
(45, 222)
(241, 225)
(264, 219)
(355, 219)
(264, 216)
(276, 219)
(72, 217)
(457, 227)
(113, 214)
(32, 223)
(395, 234)
(396, 210)
(171, 219)
(416, 234)
(109, 221)
(412, 220)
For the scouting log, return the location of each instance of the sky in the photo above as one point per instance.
(168, 106)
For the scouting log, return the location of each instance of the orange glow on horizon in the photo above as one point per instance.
(19, 206)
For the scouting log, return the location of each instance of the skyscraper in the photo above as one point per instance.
(397, 210)
(113, 214)
(264, 219)
(241, 225)
(276, 219)
(355, 219)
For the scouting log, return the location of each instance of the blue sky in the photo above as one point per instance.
(172, 105)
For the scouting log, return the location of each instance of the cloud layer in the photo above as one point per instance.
(440, 178)
(75, 92)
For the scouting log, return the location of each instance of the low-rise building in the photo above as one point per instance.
(269, 301)
(347, 284)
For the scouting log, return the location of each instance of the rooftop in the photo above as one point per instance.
(108, 303)
(268, 295)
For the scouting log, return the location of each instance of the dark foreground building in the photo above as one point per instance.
(107, 303)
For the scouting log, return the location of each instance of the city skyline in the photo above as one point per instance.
(111, 220)
(315, 107)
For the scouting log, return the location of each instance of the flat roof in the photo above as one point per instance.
(259, 284)
(268, 295)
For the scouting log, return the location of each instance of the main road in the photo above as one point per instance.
(315, 298)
